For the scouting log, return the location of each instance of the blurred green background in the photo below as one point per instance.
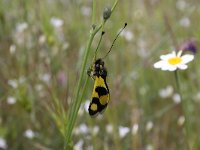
(41, 51)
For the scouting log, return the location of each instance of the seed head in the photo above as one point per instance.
(107, 13)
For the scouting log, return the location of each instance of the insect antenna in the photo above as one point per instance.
(115, 40)
(102, 33)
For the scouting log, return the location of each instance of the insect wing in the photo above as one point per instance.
(100, 96)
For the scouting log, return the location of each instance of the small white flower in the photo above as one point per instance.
(185, 22)
(166, 92)
(149, 125)
(79, 145)
(21, 27)
(181, 4)
(197, 97)
(29, 134)
(83, 129)
(13, 83)
(11, 100)
(176, 98)
(135, 129)
(127, 34)
(45, 77)
(42, 39)
(86, 11)
(56, 22)
(123, 131)
(38, 87)
(173, 61)
(181, 120)
(3, 143)
(95, 130)
(109, 128)
(12, 49)
(149, 147)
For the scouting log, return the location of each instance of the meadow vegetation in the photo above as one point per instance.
(43, 46)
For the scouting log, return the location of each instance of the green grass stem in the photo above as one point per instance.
(187, 125)
(73, 111)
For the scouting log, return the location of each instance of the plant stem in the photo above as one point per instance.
(72, 116)
(77, 100)
(177, 81)
(185, 110)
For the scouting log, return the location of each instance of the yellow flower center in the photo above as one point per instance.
(174, 61)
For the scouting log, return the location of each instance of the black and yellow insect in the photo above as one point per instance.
(100, 93)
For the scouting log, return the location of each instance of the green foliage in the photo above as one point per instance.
(45, 50)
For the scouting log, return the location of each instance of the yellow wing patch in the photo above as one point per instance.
(99, 82)
(93, 107)
(100, 96)
(104, 99)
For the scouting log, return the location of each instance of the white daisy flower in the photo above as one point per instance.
(173, 61)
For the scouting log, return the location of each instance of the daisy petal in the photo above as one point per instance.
(171, 67)
(182, 66)
(164, 67)
(167, 56)
(187, 58)
(179, 53)
(158, 64)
